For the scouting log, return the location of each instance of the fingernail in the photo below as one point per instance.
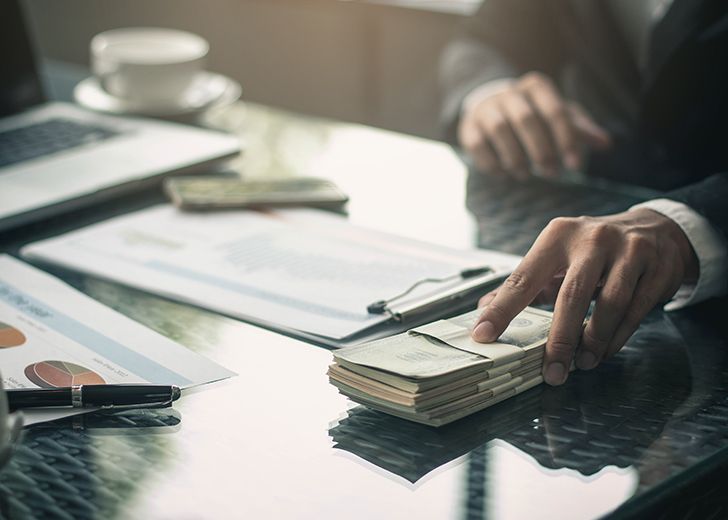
(484, 332)
(586, 360)
(555, 374)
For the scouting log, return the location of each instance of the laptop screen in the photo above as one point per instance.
(20, 85)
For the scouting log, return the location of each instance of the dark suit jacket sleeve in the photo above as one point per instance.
(505, 38)
(708, 197)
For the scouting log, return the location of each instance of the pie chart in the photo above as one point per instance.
(10, 337)
(54, 374)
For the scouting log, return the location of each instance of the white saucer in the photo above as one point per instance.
(208, 90)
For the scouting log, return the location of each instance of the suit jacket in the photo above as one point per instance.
(669, 121)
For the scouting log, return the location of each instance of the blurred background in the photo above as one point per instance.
(365, 61)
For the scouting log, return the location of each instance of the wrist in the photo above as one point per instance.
(669, 228)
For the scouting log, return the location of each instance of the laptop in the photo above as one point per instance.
(56, 156)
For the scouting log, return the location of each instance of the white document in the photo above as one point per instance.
(297, 270)
(53, 336)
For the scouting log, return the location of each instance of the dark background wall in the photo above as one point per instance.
(366, 62)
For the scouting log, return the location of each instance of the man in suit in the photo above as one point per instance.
(632, 90)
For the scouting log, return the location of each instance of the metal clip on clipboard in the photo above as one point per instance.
(408, 311)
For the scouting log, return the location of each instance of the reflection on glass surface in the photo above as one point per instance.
(275, 144)
(596, 429)
(397, 183)
(257, 447)
(496, 489)
(86, 466)
(511, 214)
(196, 329)
(412, 450)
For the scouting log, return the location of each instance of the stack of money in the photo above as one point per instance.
(436, 374)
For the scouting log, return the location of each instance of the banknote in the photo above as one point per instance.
(376, 380)
(417, 356)
(389, 388)
(445, 415)
(527, 331)
(206, 193)
(410, 356)
(436, 374)
(433, 398)
(419, 401)
(423, 385)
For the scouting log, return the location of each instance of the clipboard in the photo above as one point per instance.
(305, 273)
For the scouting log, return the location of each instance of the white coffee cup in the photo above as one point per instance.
(147, 65)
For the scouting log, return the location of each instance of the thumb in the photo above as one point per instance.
(593, 134)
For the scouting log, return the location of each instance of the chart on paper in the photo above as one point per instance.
(10, 336)
(53, 336)
(56, 374)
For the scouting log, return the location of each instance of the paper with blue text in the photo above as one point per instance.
(51, 335)
(298, 270)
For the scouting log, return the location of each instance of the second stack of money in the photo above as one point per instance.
(436, 374)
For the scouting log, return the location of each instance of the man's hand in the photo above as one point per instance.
(528, 126)
(627, 262)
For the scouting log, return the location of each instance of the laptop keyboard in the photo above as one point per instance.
(48, 137)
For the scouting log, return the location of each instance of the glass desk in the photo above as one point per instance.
(638, 437)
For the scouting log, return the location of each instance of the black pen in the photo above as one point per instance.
(94, 396)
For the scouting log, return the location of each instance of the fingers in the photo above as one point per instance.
(590, 132)
(532, 133)
(572, 304)
(475, 142)
(511, 157)
(643, 301)
(535, 271)
(528, 126)
(658, 284)
(549, 293)
(547, 296)
(487, 298)
(610, 307)
(627, 262)
(569, 124)
(552, 109)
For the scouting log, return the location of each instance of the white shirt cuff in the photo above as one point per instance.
(710, 248)
(484, 91)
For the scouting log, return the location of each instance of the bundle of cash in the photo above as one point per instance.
(436, 374)
(215, 193)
